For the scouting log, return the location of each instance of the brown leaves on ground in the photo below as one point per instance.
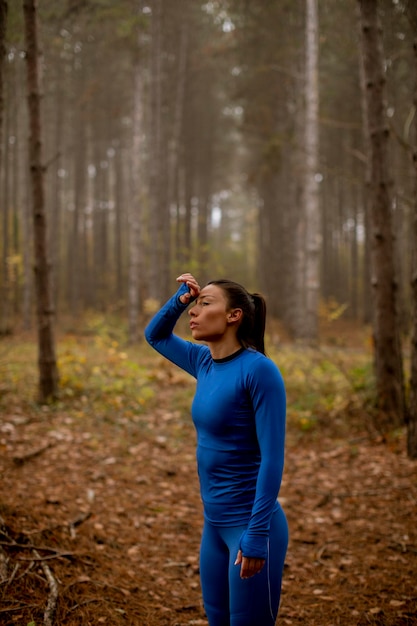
(112, 510)
(353, 554)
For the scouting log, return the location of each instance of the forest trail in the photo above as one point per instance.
(111, 509)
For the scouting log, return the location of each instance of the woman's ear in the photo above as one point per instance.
(234, 315)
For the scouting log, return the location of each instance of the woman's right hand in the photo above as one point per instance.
(193, 286)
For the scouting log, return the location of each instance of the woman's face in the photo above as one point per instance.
(210, 315)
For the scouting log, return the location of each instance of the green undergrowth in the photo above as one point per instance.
(103, 379)
(324, 385)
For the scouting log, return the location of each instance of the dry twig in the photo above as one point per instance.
(4, 561)
(48, 617)
(23, 458)
(77, 522)
(8, 581)
(49, 557)
(3, 565)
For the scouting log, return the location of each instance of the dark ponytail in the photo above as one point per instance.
(259, 322)
(251, 329)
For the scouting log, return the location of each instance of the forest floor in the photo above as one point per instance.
(100, 514)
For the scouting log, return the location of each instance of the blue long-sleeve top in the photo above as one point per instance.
(239, 414)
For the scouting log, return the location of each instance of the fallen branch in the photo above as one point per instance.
(55, 553)
(77, 522)
(49, 557)
(8, 581)
(20, 460)
(4, 560)
(48, 618)
(9, 609)
(22, 546)
(82, 517)
(41, 531)
(403, 547)
(13, 576)
(97, 583)
(3, 529)
(89, 601)
(4, 565)
(31, 546)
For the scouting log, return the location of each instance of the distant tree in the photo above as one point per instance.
(310, 285)
(267, 75)
(48, 371)
(136, 209)
(222, 105)
(157, 171)
(388, 357)
(412, 415)
(3, 21)
(4, 268)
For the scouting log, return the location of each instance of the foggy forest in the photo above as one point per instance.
(270, 142)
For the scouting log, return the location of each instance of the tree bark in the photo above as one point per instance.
(175, 143)
(48, 372)
(135, 211)
(412, 416)
(4, 322)
(367, 275)
(27, 244)
(74, 253)
(55, 216)
(3, 21)
(156, 227)
(311, 190)
(5, 203)
(387, 355)
(119, 223)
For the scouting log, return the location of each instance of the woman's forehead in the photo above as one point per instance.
(212, 290)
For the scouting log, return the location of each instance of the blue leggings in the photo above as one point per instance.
(230, 600)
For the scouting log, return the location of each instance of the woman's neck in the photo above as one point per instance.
(223, 349)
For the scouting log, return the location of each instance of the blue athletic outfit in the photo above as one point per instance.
(239, 415)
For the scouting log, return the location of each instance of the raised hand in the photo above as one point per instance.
(193, 286)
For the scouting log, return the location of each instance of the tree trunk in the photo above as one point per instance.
(100, 221)
(311, 191)
(55, 182)
(3, 22)
(175, 143)
(27, 245)
(5, 175)
(119, 223)
(48, 372)
(412, 416)
(5, 321)
(388, 358)
(135, 211)
(367, 277)
(155, 173)
(16, 200)
(74, 254)
(297, 303)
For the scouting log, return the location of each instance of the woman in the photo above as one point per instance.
(239, 415)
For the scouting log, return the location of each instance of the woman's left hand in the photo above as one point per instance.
(193, 287)
(249, 565)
